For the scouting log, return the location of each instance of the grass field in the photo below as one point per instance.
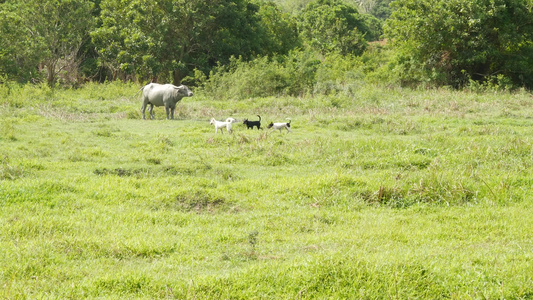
(386, 193)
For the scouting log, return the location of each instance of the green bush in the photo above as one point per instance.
(299, 74)
(264, 77)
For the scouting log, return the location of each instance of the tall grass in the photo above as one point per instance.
(377, 193)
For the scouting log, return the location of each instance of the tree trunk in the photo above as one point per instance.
(50, 73)
(177, 77)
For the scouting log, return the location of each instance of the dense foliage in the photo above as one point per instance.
(457, 43)
(453, 42)
(43, 35)
(168, 38)
(330, 25)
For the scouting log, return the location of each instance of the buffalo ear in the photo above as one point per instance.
(181, 89)
(177, 90)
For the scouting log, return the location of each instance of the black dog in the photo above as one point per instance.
(251, 124)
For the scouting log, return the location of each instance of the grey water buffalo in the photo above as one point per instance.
(163, 95)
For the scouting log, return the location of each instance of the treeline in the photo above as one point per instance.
(256, 47)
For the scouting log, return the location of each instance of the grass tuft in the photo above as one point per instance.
(10, 171)
(200, 201)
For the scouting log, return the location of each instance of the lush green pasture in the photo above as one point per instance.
(381, 193)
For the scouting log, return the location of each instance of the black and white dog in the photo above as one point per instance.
(280, 126)
(251, 124)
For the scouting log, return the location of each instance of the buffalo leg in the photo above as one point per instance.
(167, 110)
(151, 109)
(172, 109)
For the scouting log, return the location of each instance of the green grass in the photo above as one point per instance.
(388, 193)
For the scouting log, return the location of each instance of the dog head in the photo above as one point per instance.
(245, 121)
(270, 125)
(212, 121)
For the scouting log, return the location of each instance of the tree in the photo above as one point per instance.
(89, 68)
(45, 35)
(281, 29)
(18, 61)
(167, 39)
(332, 26)
(450, 42)
(381, 9)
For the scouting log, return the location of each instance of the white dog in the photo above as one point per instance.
(220, 125)
(280, 126)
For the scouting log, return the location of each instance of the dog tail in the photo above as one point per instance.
(259, 118)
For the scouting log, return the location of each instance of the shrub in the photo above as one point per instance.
(263, 77)
(299, 73)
